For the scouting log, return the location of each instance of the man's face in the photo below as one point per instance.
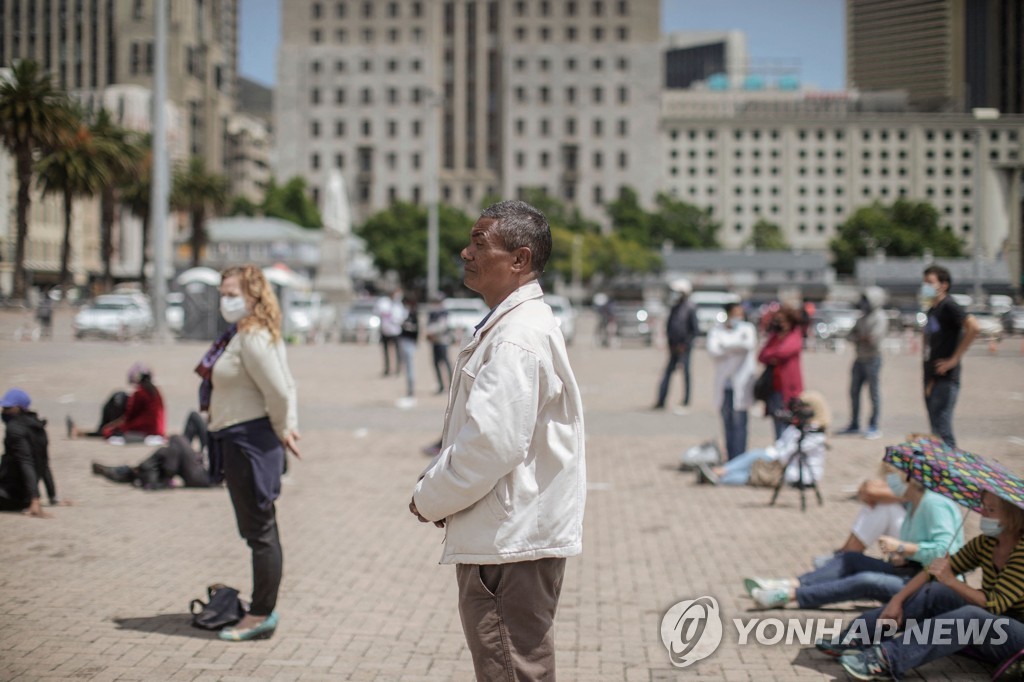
(488, 264)
(933, 279)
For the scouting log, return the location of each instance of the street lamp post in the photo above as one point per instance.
(980, 238)
(161, 181)
(434, 102)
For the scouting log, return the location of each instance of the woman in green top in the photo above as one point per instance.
(932, 526)
(987, 619)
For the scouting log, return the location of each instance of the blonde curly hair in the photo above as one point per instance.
(266, 312)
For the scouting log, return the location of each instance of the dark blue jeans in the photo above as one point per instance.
(734, 422)
(773, 406)
(864, 371)
(852, 575)
(674, 359)
(940, 403)
(907, 651)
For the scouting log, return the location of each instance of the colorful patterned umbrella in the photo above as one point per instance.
(959, 475)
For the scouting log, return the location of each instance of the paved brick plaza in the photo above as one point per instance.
(101, 591)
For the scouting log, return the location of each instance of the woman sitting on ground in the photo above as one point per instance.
(171, 466)
(808, 436)
(933, 526)
(993, 614)
(131, 418)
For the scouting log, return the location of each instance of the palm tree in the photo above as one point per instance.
(195, 190)
(31, 113)
(135, 194)
(121, 162)
(75, 167)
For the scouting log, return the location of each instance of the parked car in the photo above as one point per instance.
(990, 326)
(633, 321)
(119, 316)
(710, 307)
(1013, 320)
(309, 317)
(464, 314)
(360, 323)
(565, 314)
(912, 317)
(833, 320)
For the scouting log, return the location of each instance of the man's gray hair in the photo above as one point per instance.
(519, 225)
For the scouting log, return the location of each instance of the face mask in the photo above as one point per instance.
(865, 307)
(991, 527)
(232, 308)
(928, 293)
(897, 484)
(7, 416)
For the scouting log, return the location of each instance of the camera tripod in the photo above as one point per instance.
(800, 457)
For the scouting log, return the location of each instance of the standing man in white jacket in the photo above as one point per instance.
(731, 344)
(509, 483)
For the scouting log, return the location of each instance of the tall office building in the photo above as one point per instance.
(91, 45)
(693, 57)
(486, 98)
(949, 55)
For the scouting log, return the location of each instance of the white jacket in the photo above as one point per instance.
(510, 478)
(814, 445)
(733, 351)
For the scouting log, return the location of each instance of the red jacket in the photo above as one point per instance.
(143, 414)
(783, 353)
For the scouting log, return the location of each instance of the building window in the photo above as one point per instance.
(314, 161)
(570, 95)
(598, 160)
(598, 33)
(339, 66)
(623, 160)
(570, 34)
(545, 159)
(340, 36)
(367, 127)
(314, 129)
(597, 95)
(623, 33)
(392, 129)
(520, 126)
(570, 126)
(339, 10)
(545, 127)
(598, 127)
(339, 160)
(623, 127)
(623, 94)
(314, 66)
(314, 96)
(339, 128)
(316, 36)
(366, 96)
(339, 96)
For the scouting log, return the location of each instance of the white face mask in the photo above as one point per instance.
(897, 484)
(991, 527)
(232, 308)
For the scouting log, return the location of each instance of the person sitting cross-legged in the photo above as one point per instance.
(992, 615)
(931, 527)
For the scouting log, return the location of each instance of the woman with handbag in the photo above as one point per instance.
(249, 392)
(781, 353)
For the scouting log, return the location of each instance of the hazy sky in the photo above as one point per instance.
(804, 32)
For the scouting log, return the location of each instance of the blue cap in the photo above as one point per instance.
(15, 397)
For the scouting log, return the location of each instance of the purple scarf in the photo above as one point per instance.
(205, 366)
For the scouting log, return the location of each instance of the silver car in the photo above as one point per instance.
(565, 315)
(119, 316)
(360, 323)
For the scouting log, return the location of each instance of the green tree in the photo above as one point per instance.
(32, 112)
(291, 202)
(74, 168)
(905, 228)
(198, 191)
(243, 206)
(397, 239)
(121, 154)
(683, 225)
(767, 236)
(135, 195)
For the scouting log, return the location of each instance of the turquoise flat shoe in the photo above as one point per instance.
(264, 630)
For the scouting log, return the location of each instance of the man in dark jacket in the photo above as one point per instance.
(26, 457)
(682, 330)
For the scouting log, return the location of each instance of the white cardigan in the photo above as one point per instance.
(511, 477)
(735, 360)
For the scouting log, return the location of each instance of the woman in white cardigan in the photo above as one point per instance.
(732, 346)
(249, 392)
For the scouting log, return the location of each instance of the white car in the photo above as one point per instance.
(119, 316)
(309, 318)
(565, 315)
(361, 323)
(464, 314)
(710, 307)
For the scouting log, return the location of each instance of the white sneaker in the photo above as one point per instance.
(154, 441)
(405, 403)
(751, 584)
(115, 440)
(681, 410)
(771, 599)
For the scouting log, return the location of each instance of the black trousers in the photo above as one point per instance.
(257, 526)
